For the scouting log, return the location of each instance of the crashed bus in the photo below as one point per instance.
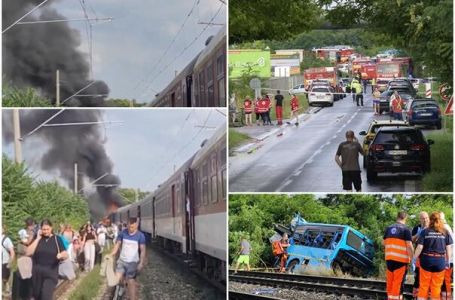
(320, 247)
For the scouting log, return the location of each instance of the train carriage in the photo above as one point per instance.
(202, 83)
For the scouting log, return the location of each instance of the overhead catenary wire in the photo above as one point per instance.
(196, 2)
(182, 52)
(75, 94)
(24, 16)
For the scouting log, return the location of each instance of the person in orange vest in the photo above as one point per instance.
(398, 253)
(397, 106)
(295, 109)
(424, 223)
(284, 256)
(434, 251)
(279, 107)
(248, 109)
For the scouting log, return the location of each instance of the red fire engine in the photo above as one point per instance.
(324, 73)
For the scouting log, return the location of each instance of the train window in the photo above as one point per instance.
(223, 184)
(210, 96)
(196, 90)
(209, 73)
(213, 188)
(221, 92)
(222, 155)
(220, 65)
(202, 89)
(205, 174)
(197, 187)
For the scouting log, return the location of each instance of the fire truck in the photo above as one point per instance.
(323, 73)
(368, 71)
(388, 68)
(358, 63)
(336, 54)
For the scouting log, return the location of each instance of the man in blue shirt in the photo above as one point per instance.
(131, 243)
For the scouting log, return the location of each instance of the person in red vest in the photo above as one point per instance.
(279, 107)
(398, 253)
(434, 251)
(248, 110)
(397, 106)
(295, 109)
(257, 109)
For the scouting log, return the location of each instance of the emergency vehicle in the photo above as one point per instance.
(323, 73)
(388, 68)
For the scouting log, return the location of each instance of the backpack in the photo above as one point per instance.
(277, 249)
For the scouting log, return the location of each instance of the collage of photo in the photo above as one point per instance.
(227, 149)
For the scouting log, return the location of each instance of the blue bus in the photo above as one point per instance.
(327, 246)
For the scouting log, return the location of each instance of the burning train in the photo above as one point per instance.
(327, 246)
(202, 83)
(187, 213)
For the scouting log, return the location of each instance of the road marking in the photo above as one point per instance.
(299, 170)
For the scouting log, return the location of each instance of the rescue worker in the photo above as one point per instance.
(397, 106)
(424, 223)
(446, 290)
(248, 110)
(267, 107)
(295, 109)
(279, 108)
(434, 251)
(373, 84)
(257, 109)
(398, 253)
(358, 91)
(284, 256)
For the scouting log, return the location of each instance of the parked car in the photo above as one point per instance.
(402, 149)
(371, 133)
(384, 99)
(402, 84)
(298, 89)
(320, 94)
(381, 84)
(416, 82)
(405, 97)
(424, 111)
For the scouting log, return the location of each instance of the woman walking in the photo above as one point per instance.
(88, 240)
(47, 250)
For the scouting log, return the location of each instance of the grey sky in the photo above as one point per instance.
(126, 49)
(145, 148)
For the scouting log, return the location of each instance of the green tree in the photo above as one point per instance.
(18, 97)
(270, 19)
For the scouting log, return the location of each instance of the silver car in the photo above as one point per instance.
(320, 94)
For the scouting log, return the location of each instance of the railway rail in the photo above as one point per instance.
(246, 296)
(365, 288)
(61, 288)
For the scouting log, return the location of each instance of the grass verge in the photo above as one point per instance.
(236, 138)
(440, 179)
(89, 287)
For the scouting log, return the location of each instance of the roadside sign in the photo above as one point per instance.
(255, 83)
(428, 90)
(444, 90)
(449, 107)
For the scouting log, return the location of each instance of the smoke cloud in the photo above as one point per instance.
(82, 144)
(33, 53)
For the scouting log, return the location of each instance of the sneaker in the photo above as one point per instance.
(297, 124)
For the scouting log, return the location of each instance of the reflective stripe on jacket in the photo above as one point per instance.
(396, 250)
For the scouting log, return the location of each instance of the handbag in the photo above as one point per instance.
(65, 267)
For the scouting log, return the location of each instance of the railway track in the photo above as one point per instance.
(61, 288)
(365, 288)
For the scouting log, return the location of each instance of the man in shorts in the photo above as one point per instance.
(349, 151)
(131, 242)
(244, 257)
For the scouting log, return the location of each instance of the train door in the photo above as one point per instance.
(153, 218)
(189, 212)
(189, 83)
(173, 99)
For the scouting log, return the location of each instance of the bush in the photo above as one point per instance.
(24, 197)
(16, 97)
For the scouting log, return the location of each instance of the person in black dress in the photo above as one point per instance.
(47, 250)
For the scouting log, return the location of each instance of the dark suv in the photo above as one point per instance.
(402, 149)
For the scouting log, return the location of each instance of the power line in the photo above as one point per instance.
(21, 18)
(196, 2)
(183, 51)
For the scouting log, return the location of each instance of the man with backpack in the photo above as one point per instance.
(7, 259)
(131, 243)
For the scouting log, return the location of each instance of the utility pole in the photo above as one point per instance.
(75, 178)
(17, 136)
(57, 92)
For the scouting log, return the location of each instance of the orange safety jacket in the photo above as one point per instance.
(396, 250)
(397, 104)
(262, 106)
(248, 106)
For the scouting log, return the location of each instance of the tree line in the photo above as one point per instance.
(255, 215)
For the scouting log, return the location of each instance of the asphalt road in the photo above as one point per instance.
(303, 158)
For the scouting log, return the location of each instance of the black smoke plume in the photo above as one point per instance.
(83, 144)
(33, 53)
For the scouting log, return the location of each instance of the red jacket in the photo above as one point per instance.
(248, 105)
(294, 103)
